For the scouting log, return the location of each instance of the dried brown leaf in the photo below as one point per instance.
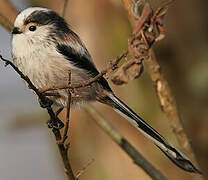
(128, 72)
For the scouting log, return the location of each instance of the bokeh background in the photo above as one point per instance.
(27, 148)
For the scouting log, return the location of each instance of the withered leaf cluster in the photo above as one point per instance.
(149, 29)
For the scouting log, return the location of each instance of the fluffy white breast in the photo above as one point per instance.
(40, 61)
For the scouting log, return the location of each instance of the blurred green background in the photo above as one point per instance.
(104, 28)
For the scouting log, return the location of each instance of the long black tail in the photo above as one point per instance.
(171, 152)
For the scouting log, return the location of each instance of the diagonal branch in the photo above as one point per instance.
(65, 134)
(5, 23)
(124, 144)
(44, 100)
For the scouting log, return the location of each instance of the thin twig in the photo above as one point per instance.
(65, 136)
(67, 164)
(64, 154)
(145, 14)
(111, 67)
(124, 144)
(84, 168)
(64, 7)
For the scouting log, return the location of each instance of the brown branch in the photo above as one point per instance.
(163, 91)
(124, 144)
(111, 67)
(44, 100)
(5, 23)
(65, 135)
(145, 14)
(7, 14)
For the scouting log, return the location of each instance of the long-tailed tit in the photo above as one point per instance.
(45, 49)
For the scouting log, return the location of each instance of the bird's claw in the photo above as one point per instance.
(46, 103)
(57, 124)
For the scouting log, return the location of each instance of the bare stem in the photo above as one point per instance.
(64, 7)
(65, 136)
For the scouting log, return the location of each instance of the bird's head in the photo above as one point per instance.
(37, 23)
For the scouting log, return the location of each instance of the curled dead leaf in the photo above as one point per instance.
(137, 48)
(128, 72)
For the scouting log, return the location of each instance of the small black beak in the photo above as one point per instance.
(16, 31)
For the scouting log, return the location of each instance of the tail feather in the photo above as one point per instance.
(171, 152)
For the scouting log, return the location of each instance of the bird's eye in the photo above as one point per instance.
(32, 28)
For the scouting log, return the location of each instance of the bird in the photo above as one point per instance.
(45, 49)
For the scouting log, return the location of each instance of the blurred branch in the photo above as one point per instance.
(84, 168)
(64, 7)
(124, 144)
(163, 91)
(5, 23)
(7, 14)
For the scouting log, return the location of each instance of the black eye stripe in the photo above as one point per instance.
(32, 28)
(48, 18)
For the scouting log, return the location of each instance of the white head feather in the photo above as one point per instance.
(19, 22)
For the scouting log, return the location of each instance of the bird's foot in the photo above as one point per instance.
(46, 103)
(57, 124)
